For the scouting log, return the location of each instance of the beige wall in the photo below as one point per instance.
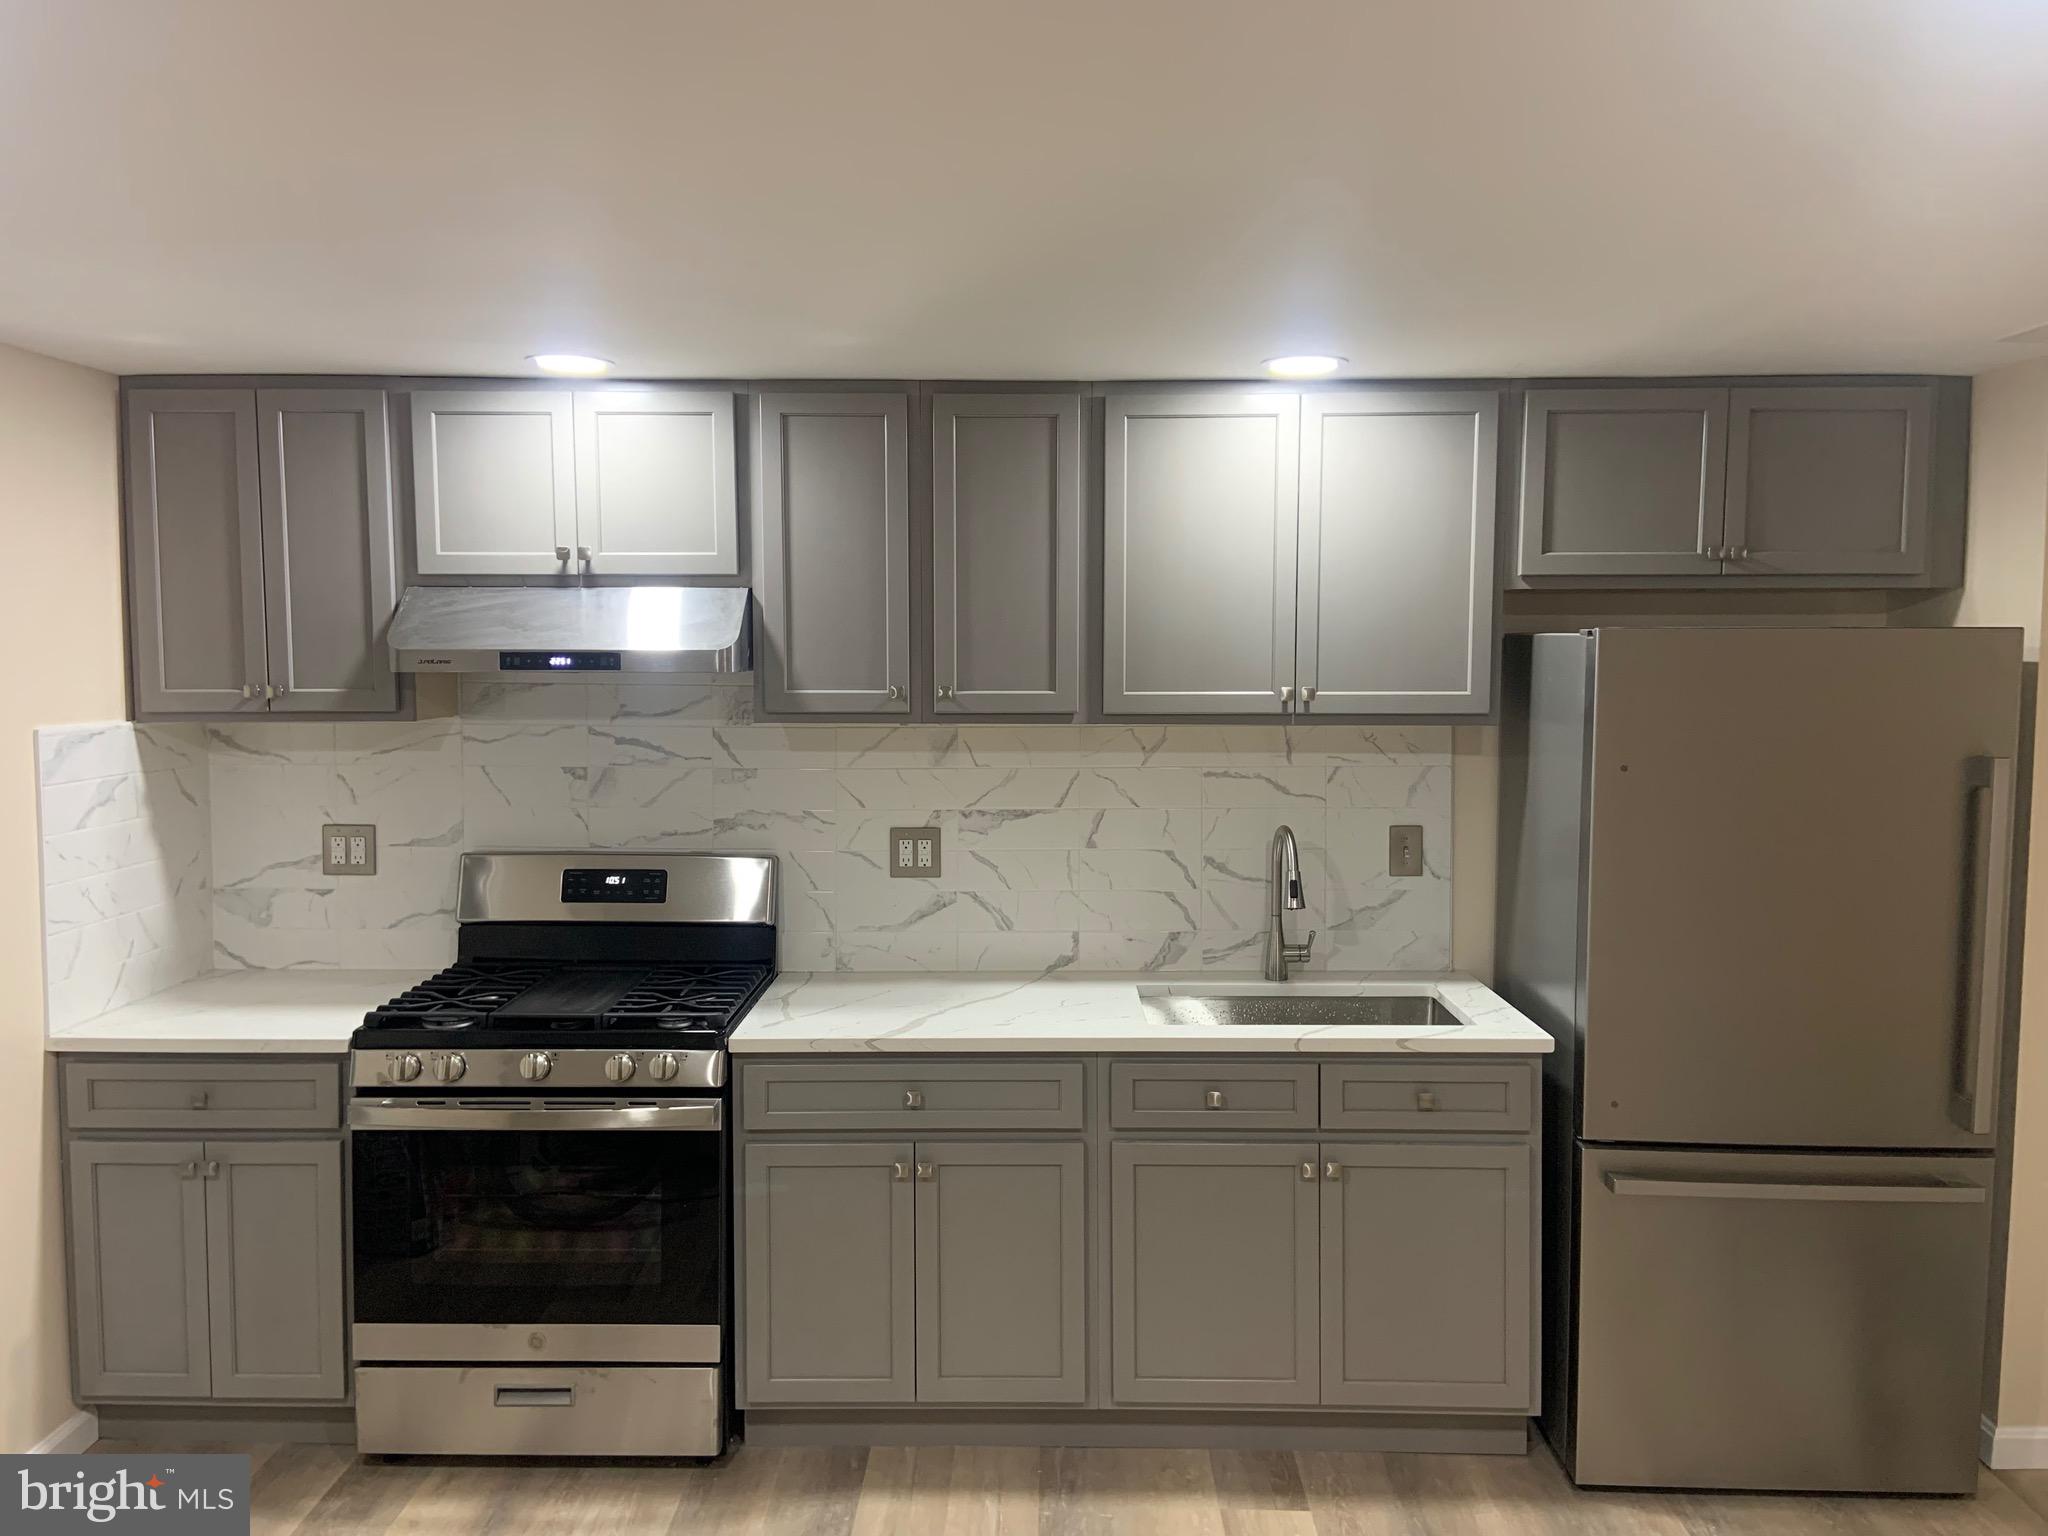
(59, 510)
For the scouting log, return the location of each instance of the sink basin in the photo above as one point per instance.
(1299, 1011)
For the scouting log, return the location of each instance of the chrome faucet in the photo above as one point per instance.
(1286, 898)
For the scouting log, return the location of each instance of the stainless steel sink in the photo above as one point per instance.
(1300, 1011)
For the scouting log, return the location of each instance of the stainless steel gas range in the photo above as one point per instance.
(540, 1150)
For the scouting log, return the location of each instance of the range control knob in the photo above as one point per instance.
(449, 1068)
(618, 1068)
(405, 1068)
(534, 1065)
(663, 1066)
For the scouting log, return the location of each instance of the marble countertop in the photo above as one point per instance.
(309, 1012)
(852, 1014)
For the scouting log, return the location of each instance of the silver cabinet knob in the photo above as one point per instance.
(1333, 1171)
(1308, 694)
(199, 1098)
(248, 690)
(562, 553)
(913, 1098)
(534, 1066)
(945, 690)
(900, 1172)
(926, 1172)
(620, 1067)
(406, 1068)
(212, 1168)
(449, 1068)
(1213, 1099)
(1742, 553)
(895, 691)
(1308, 1172)
(583, 553)
(188, 1171)
(662, 1066)
(1425, 1100)
(1286, 692)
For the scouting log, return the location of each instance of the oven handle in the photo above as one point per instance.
(682, 1115)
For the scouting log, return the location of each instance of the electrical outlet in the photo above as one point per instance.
(1404, 851)
(348, 848)
(914, 853)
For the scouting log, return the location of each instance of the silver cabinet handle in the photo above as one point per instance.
(1974, 1108)
(583, 553)
(1308, 694)
(926, 1172)
(562, 553)
(945, 690)
(1903, 1192)
(199, 1097)
(1742, 553)
(248, 690)
(1213, 1099)
(900, 1172)
(188, 1171)
(1333, 1171)
(1425, 1100)
(533, 1397)
(1308, 1172)
(895, 691)
(1286, 692)
(913, 1098)
(212, 1169)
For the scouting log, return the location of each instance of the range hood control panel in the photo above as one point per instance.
(558, 661)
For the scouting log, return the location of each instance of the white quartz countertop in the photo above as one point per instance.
(837, 1013)
(242, 1013)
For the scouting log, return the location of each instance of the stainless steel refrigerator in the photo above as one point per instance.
(1757, 884)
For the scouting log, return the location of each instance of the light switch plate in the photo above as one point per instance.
(913, 853)
(348, 848)
(1404, 851)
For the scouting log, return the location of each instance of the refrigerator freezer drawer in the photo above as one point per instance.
(1780, 1320)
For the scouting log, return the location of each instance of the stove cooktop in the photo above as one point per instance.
(480, 1001)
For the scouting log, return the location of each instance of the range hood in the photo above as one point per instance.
(572, 629)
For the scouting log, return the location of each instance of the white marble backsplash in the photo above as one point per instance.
(127, 863)
(1135, 848)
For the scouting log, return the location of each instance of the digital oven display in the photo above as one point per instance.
(558, 661)
(643, 886)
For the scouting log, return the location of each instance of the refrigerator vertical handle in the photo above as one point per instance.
(1974, 1104)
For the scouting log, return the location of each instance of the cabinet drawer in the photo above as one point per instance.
(1194, 1095)
(202, 1095)
(1389, 1098)
(1011, 1096)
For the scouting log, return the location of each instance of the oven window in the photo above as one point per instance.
(538, 1227)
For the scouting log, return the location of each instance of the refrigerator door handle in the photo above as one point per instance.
(1913, 1192)
(1974, 1103)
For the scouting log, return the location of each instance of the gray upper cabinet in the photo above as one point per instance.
(1006, 553)
(1396, 589)
(494, 482)
(1002, 1275)
(262, 551)
(330, 570)
(1213, 1276)
(138, 1268)
(829, 1272)
(1622, 482)
(275, 1268)
(1832, 481)
(1199, 529)
(654, 483)
(1427, 1276)
(195, 551)
(833, 500)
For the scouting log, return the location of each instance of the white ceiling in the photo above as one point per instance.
(1029, 188)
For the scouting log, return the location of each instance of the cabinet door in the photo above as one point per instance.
(330, 560)
(1199, 508)
(274, 1268)
(1830, 481)
(830, 1283)
(1623, 482)
(1213, 1272)
(1002, 1275)
(1006, 553)
(1398, 493)
(195, 551)
(1426, 1282)
(138, 1268)
(654, 486)
(494, 482)
(834, 498)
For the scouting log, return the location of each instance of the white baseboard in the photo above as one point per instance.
(2014, 1448)
(75, 1434)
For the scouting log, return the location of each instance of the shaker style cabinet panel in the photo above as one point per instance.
(1199, 523)
(1396, 590)
(654, 483)
(1002, 1274)
(494, 482)
(829, 1273)
(1622, 482)
(833, 493)
(1213, 1284)
(275, 1268)
(1426, 1276)
(330, 573)
(195, 551)
(1833, 481)
(1006, 553)
(138, 1268)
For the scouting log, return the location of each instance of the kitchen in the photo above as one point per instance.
(867, 898)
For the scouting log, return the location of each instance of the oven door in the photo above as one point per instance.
(588, 1230)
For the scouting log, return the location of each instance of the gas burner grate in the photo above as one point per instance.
(688, 997)
(463, 995)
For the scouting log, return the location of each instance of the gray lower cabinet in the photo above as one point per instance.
(207, 1270)
(1426, 1276)
(1213, 1282)
(1006, 554)
(832, 496)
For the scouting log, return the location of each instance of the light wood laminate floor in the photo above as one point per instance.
(321, 1490)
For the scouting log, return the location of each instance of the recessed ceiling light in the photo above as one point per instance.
(1304, 365)
(573, 364)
